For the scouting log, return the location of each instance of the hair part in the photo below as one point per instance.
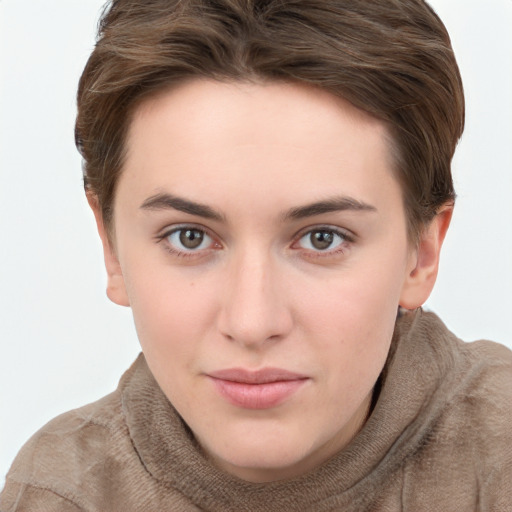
(390, 58)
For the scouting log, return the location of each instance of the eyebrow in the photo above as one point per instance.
(164, 201)
(169, 201)
(335, 204)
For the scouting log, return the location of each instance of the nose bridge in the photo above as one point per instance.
(255, 307)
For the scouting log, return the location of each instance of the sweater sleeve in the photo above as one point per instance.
(18, 497)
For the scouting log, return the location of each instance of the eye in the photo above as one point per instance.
(189, 239)
(322, 240)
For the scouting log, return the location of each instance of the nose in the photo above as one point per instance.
(255, 308)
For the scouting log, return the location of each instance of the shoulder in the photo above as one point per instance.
(487, 397)
(65, 452)
(486, 370)
(479, 362)
(465, 418)
(484, 402)
(85, 459)
(480, 377)
(478, 417)
(486, 355)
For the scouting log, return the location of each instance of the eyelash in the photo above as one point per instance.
(347, 239)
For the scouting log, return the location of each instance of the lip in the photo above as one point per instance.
(261, 389)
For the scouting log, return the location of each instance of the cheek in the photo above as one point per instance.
(172, 313)
(352, 302)
(351, 321)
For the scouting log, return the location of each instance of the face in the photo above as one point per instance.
(261, 242)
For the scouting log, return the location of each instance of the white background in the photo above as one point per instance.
(62, 343)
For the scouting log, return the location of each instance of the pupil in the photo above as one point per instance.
(322, 239)
(191, 238)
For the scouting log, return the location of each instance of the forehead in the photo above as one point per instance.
(304, 110)
(285, 138)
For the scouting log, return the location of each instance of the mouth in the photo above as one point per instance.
(262, 389)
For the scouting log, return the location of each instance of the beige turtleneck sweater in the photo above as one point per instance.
(439, 439)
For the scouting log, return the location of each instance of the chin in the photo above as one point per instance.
(261, 468)
(261, 458)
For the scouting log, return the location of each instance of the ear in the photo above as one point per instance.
(425, 261)
(116, 289)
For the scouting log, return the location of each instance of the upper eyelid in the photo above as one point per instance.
(166, 231)
(346, 233)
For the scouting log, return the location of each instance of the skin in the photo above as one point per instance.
(257, 292)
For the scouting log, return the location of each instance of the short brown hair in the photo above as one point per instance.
(390, 58)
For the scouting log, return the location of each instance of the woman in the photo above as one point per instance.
(271, 183)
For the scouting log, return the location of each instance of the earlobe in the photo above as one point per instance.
(116, 289)
(425, 261)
